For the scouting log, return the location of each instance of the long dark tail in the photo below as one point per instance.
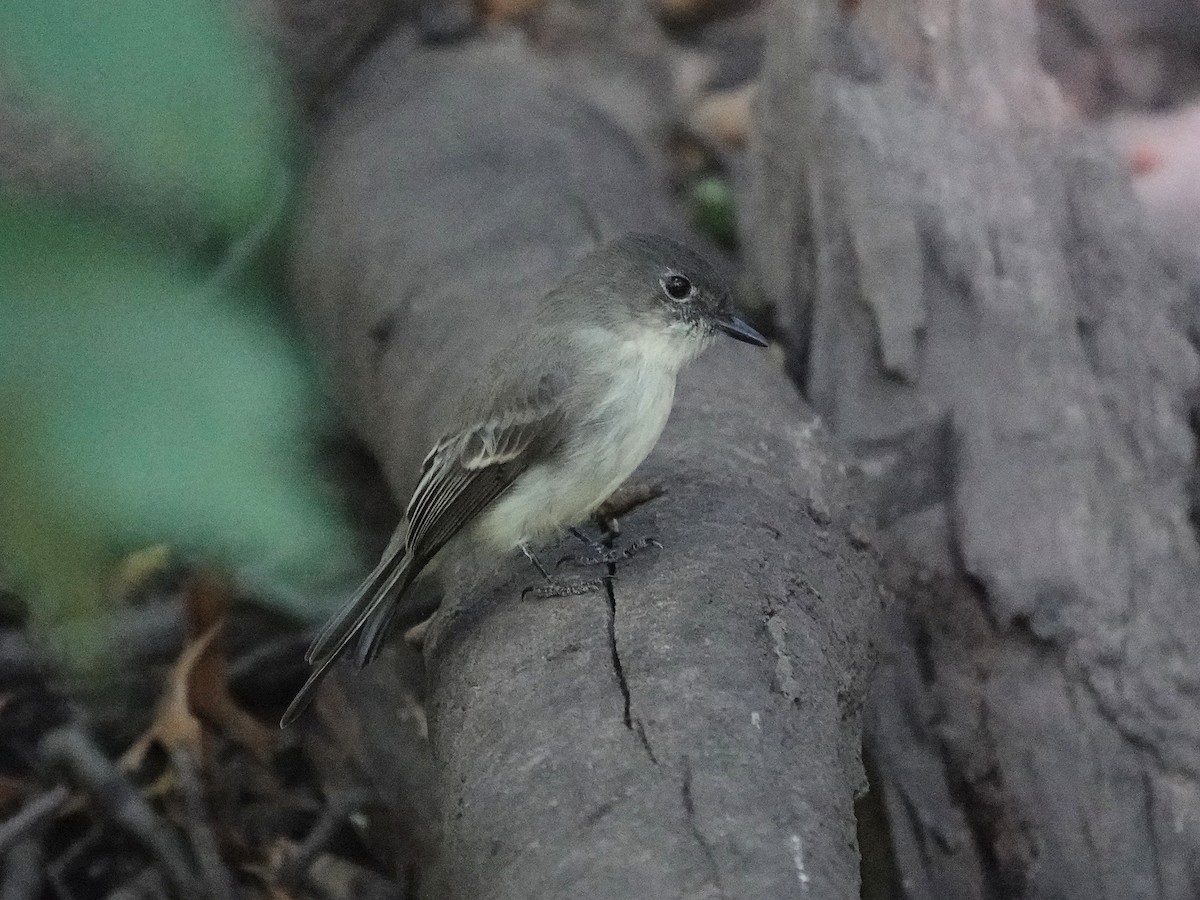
(416, 607)
(347, 619)
(375, 599)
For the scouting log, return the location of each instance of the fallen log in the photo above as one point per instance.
(694, 730)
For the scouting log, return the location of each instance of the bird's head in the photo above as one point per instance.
(657, 291)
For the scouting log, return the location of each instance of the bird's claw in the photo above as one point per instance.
(601, 556)
(558, 588)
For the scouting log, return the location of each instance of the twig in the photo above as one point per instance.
(58, 867)
(113, 794)
(341, 806)
(217, 882)
(32, 816)
(22, 868)
(148, 884)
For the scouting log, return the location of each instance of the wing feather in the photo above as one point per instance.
(469, 470)
(462, 474)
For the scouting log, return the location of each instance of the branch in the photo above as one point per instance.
(696, 730)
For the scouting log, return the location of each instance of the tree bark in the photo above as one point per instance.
(694, 730)
(970, 297)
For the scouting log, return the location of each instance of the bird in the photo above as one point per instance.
(557, 421)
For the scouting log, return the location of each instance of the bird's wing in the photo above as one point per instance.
(467, 470)
(463, 473)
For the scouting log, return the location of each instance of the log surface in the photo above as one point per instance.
(695, 730)
(971, 298)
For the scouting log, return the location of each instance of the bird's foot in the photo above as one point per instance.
(606, 556)
(623, 501)
(561, 587)
(532, 557)
(415, 636)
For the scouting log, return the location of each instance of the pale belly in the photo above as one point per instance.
(555, 496)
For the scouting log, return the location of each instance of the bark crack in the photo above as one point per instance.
(689, 809)
(633, 723)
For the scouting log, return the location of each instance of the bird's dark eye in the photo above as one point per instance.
(677, 287)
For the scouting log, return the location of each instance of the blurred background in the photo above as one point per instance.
(180, 497)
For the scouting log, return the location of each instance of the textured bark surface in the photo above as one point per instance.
(695, 730)
(1121, 54)
(980, 310)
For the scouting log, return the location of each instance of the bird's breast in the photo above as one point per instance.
(611, 434)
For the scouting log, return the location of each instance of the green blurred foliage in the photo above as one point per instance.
(174, 91)
(712, 207)
(151, 392)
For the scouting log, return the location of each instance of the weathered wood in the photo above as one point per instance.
(694, 731)
(975, 290)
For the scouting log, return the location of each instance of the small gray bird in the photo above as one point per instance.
(560, 419)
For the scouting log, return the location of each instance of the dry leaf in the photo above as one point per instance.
(680, 12)
(173, 724)
(724, 116)
(509, 10)
(13, 791)
(138, 567)
(208, 596)
(266, 872)
(198, 686)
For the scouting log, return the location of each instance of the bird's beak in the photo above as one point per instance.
(739, 330)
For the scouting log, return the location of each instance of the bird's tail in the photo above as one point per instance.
(374, 599)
